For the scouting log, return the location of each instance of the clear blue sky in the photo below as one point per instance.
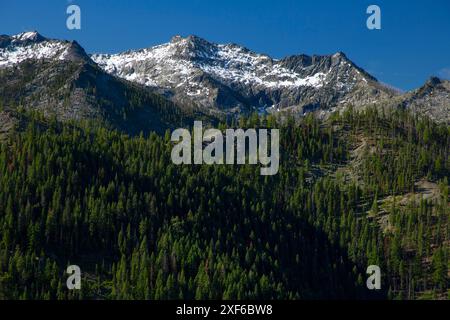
(414, 42)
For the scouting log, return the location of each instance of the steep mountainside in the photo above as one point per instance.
(232, 78)
(31, 45)
(166, 85)
(432, 99)
(357, 188)
(353, 190)
(58, 78)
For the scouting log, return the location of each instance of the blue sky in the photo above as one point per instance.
(413, 44)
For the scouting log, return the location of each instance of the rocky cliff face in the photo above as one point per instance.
(161, 85)
(59, 79)
(432, 99)
(31, 45)
(231, 78)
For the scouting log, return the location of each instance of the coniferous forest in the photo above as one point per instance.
(358, 189)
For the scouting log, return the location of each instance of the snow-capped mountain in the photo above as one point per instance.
(230, 77)
(58, 78)
(199, 77)
(31, 45)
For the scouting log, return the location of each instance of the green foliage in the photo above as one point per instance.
(142, 228)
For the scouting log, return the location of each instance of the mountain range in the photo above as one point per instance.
(80, 185)
(170, 84)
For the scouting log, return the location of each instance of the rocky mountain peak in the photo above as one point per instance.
(32, 45)
(433, 81)
(229, 76)
(21, 39)
(191, 47)
(433, 84)
(28, 36)
(432, 99)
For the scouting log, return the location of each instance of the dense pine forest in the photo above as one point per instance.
(359, 188)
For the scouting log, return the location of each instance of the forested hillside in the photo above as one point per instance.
(80, 91)
(357, 189)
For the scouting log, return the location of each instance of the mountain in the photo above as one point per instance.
(353, 190)
(167, 85)
(31, 45)
(231, 78)
(58, 78)
(432, 99)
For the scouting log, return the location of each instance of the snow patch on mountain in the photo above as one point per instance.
(179, 63)
(223, 78)
(44, 50)
(31, 45)
(32, 35)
